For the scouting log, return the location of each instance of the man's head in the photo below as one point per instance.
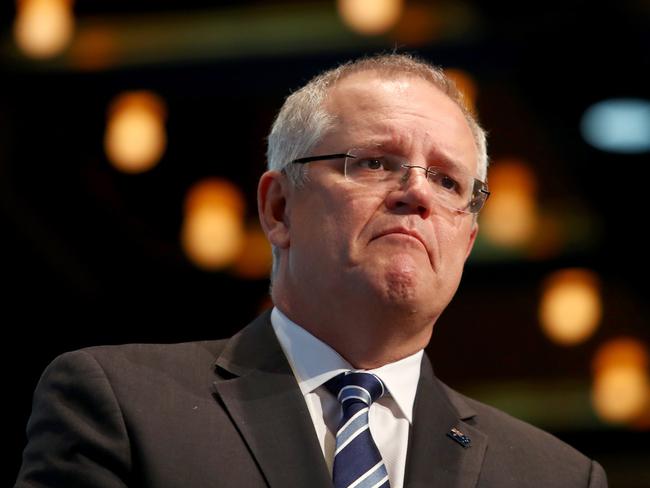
(387, 260)
(304, 119)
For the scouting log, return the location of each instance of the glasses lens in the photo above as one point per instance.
(372, 167)
(451, 187)
(479, 196)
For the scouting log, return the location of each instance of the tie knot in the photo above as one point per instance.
(356, 386)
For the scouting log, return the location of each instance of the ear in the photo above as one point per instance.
(472, 239)
(272, 193)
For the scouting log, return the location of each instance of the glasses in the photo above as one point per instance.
(452, 187)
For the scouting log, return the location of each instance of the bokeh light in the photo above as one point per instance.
(370, 17)
(620, 125)
(571, 306)
(510, 218)
(212, 234)
(215, 193)
(621, 386)
(135, 137)
(43, 28)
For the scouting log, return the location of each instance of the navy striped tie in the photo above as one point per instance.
(357, 461)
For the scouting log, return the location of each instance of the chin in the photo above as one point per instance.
(404, 289)
(401, 282)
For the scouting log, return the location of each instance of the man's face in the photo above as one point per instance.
(354, 245)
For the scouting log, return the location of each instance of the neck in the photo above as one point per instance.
(368, 340)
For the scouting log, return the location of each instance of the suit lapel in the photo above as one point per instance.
(434, 459)
(259, 391)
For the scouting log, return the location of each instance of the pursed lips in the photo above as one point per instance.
(404, 231)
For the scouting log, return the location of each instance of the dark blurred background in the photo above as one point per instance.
(132, 135)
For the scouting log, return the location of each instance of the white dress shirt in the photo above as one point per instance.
(313, 363)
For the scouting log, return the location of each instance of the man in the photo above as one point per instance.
(376, 174)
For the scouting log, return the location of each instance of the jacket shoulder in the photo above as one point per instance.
(519, 447)
(501, 425)
(181, 361)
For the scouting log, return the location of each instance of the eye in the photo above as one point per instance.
(448, 183)
(372, 164)
(444, 181)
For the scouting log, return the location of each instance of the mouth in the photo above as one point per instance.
(405, 234)
(402, 231)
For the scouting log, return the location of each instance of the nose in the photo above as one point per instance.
(414, 195)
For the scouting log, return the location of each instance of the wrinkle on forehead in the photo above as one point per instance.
(366, 104)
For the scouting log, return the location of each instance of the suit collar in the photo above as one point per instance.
(314, 362)
(436, 455)
(261, 395)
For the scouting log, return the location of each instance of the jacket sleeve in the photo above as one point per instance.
(597, 478)
(76, 435)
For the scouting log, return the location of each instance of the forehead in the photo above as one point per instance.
(399, 112)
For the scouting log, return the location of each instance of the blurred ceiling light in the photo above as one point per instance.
(571, 306)
(623, 351)
(255, 260)
(621, 394)
(465, 84)
(212, 237)
(419, 24)
(510, 216)
(370, 17)
(135, 137)
(212, 234)
(43, 28)
(214, 193)
(621, 386)
(619, 125)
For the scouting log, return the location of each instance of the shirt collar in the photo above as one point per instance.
(314, 362)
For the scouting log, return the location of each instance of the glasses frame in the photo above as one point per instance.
(328, 157)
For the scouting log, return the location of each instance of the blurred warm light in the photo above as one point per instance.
(370, 17)
(510, 218)
(212, 234)
(571, 307)
(620, 125)
(620, 394)
(621, 386)
(212, 237)
(214, 193)
(419, 24)
(624, 351)
(465, 84)
(255, 260)
(135, 137)
(43, 28)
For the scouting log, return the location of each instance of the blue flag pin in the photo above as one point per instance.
(459, 437)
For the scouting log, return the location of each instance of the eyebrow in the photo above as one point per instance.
(441, 160)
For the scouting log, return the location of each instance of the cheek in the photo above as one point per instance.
(452, 248)
(346, 216)
(322, 232)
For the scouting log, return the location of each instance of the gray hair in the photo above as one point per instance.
(303, 120)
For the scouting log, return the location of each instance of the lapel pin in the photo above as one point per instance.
(459, 437)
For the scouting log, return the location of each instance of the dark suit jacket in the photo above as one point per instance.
(230, 414)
